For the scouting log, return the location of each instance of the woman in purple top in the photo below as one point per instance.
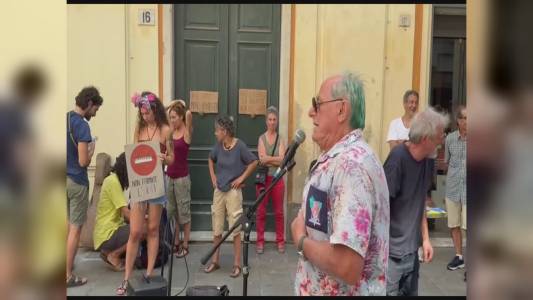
(178, 180)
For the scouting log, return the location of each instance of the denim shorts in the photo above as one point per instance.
(160, 200)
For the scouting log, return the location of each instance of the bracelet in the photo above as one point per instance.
(300, 247)
(301, 243)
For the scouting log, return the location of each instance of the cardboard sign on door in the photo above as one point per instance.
(145, 173)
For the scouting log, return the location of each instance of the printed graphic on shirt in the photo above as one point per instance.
(316, 210)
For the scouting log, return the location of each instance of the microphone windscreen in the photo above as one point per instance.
(299, 137)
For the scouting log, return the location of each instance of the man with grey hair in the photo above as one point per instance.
(399, 128)
(409, 172)
(342, 229)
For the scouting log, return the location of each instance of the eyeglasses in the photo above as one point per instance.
(316, 102)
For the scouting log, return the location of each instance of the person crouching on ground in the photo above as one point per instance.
(111, 229)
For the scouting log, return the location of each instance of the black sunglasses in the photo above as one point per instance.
(316, 102)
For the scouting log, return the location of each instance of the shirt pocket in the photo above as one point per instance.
(316, 212)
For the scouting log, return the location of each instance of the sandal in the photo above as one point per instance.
(75, 281)
(212, 267)
(281, 248)
(118, 268)
(236, 272)
(260, 250)
(183, 251)
(146, 278)
(122, 289)
(177, 248)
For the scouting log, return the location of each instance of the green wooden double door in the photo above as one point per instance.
(224, 48)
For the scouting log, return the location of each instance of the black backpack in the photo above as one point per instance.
(166, 240)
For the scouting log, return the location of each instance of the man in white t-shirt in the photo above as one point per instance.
(399, 128)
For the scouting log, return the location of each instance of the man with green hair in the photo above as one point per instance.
(342, 229)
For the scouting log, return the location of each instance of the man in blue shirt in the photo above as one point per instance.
(409, 171)
(80, 149)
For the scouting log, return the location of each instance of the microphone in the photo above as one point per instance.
(299, 137)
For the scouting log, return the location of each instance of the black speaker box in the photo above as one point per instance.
(157, 286)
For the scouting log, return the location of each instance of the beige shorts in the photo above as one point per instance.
(78, 202)
(226, 205)
(456, 214)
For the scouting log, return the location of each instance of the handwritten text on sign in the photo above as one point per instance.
(204, 102)
(252, 102)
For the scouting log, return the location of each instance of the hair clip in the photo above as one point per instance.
(135, 98)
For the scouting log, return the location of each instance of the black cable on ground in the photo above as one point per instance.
(187, 281)
(172, 226)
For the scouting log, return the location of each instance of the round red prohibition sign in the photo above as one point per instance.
(143, 160)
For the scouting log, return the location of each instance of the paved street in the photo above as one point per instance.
(271, 273)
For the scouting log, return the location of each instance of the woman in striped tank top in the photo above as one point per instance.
(270, 155)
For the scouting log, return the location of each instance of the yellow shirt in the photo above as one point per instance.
(108, 215)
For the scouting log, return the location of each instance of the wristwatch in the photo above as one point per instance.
(300, 248)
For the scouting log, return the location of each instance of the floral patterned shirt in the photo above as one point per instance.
(346, 201)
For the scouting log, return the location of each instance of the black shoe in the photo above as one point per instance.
(431, 224)
(456, 263)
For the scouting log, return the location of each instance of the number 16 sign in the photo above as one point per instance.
(145, 173)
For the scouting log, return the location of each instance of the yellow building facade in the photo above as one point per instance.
(389, 46)
(108, 48)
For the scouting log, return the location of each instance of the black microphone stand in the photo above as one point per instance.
(247, 221)
(171, 225)
(168, 249)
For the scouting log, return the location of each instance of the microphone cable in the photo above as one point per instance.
(186, 267)
(171, 229)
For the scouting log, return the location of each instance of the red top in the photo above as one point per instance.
(180, 167)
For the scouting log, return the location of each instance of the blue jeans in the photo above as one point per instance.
(402, 275)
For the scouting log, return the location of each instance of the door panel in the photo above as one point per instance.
(253, 71)
(225, 48)
(206, 17)
(255, 17)
(254, 64)
(201, 50)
